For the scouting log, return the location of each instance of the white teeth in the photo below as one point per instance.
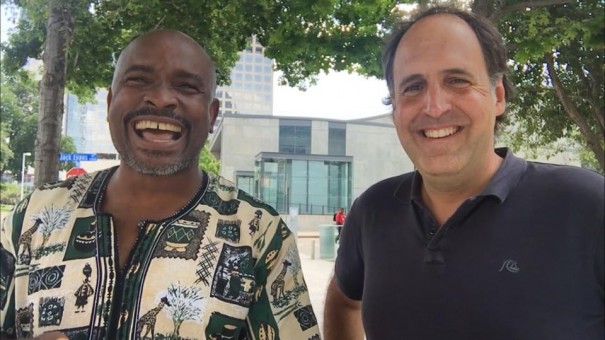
(440, 133)
(148, 124)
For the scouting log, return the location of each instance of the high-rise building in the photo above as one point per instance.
(87, 125)
(251, 88)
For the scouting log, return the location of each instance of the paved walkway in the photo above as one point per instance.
(317, 274)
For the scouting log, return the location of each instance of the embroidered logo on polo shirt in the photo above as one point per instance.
(510, 265)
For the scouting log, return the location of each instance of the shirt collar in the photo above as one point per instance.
(500, 186)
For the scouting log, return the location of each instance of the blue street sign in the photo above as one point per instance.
(77, 157)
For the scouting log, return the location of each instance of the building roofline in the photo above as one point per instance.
(363, 121)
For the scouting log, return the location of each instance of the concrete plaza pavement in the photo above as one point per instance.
(317, 274)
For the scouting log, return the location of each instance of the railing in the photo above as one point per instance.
(309, 209)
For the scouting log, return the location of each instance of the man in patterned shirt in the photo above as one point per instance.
(154, 247)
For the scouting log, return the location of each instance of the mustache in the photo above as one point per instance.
(151, 111)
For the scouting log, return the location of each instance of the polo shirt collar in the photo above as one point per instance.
(505, 179)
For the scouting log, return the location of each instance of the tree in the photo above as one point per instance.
(558, 51)
(307, 37)
(18, 114)
(59, 31)
(82, 38)
(186, 303)
(208, 162)
(19, 118)
(6, 154)
(67, 146)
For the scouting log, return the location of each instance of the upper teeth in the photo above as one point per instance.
(147, 124)
(438, 133)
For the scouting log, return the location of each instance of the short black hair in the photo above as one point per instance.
(492, 46)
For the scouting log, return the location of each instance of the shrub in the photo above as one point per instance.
(9, 193)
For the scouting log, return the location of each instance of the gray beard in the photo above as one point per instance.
(163, 170)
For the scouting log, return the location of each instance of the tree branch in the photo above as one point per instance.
(591, 95)
(593, 141)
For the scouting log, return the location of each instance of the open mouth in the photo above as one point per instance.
(158, 132)
(440, 133)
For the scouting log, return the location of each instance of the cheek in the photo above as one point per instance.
(401, 119)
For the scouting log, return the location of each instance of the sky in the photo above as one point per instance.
(337, 95)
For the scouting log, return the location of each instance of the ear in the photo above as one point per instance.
(500, 97)
(109, 97)
(213, 113)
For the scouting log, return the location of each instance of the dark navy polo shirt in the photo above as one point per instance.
(522, 260)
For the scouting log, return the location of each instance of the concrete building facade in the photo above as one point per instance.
(312, 165)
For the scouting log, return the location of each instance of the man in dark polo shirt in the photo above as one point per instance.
(477, 243)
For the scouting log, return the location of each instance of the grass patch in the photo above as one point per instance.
(5, 207)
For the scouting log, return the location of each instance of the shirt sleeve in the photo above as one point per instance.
(349, 267)
(282, 306)
(8, 260)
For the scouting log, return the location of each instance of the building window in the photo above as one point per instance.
(244, 180)
(315, 187)
(337, 139)
(295, 136)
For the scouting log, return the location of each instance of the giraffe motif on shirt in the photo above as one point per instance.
(25, 239)
(148, 320)
(277, 287)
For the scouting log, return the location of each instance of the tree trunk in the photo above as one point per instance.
(592, 139)
(52, 86)
(177, 328)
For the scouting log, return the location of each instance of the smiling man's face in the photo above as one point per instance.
(161, 103)
(444, 104)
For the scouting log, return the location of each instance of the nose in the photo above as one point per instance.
(161, 96)
(437, 101)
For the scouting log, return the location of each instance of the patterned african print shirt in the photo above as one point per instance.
(224, 267)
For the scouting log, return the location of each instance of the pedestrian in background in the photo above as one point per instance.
(339, 219)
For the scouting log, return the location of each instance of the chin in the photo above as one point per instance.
(163, 169)
(439, 167)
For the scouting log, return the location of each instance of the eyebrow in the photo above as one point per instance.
(418, 76)
(410, 78)
(178, 74)
(139, 68)
(189, 75)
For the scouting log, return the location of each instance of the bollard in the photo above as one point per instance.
(327, 240)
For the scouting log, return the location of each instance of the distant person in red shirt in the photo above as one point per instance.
(339, 218)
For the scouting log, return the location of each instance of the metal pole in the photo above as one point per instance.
(23, 172)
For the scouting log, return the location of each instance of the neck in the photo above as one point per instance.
(161, 195)
(443, 195)
(137, 184)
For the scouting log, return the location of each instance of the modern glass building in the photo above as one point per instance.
(316, 184)
(87, 124)
(294, 177)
